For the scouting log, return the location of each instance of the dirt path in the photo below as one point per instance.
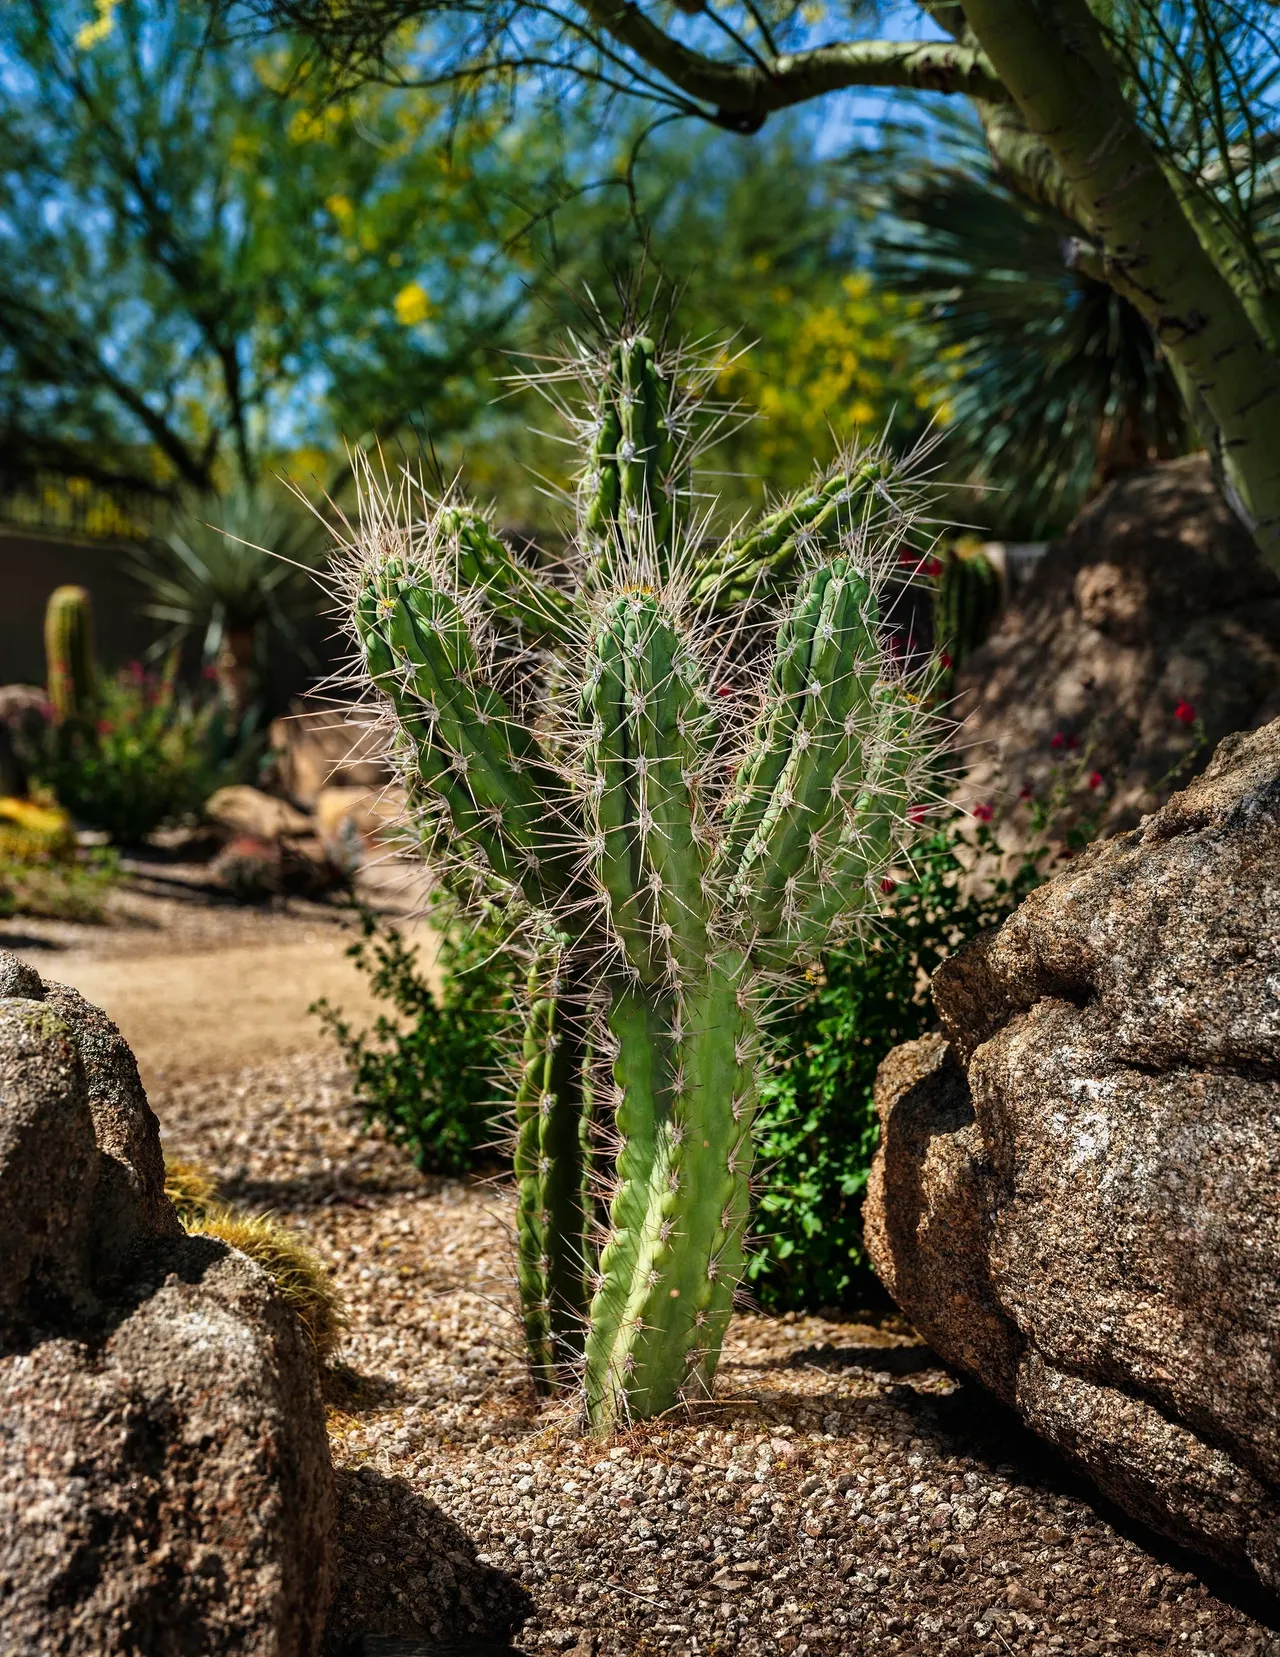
(200, 986)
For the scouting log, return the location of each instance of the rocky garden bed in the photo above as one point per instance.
(846, 1494)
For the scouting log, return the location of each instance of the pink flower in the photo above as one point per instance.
(984, 813)
(1057, 740)
(1184, 713)
(208, 671)
(1095, 779)
(887, 886)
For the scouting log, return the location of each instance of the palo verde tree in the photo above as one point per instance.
(1150, 126)
(681, 777)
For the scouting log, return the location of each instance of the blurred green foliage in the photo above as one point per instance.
(151, 754)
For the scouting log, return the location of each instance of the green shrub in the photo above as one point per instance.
(816, 1129)
(429, 1074)
(152, 754)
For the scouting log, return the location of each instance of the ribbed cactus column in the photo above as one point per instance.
(68, 648)
(672, 812)
(552, 1166)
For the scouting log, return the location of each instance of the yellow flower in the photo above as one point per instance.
(89, 34)
(341, 209)
(412, 305)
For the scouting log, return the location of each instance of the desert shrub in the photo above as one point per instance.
(816, 1130)
(428, 1072)
(43, 872)
(152, 754)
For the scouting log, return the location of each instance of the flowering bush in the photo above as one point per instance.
(152, 755)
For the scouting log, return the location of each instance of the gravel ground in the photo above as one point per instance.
(845, 1495)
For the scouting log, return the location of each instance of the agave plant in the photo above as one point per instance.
(232, 571)
(681, 777)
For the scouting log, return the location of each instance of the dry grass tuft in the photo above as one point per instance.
(302, 1280)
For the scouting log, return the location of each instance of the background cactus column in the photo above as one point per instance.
(69, 660)
(552, 1171)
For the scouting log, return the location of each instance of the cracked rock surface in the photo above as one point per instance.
(1077, 1197)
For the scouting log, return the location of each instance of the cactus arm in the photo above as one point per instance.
(68, 648)
(665, 708)
(551, 1183)
(639, 1026)
(668, 1294)
(843, 885)
(629, 484)
(841, 676)
(611, 801)
(770, 749)
(470, 752)
(813, 519)
(544, 615)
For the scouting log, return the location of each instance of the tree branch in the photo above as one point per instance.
(1051, 56)
(743, 94)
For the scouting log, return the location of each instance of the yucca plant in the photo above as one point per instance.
(232, 571)
(680, 778)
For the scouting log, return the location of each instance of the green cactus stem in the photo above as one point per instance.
(552, 1166)
(69, 661)
(633, 477)
(751, 564)
(674, 812)
(966, 604)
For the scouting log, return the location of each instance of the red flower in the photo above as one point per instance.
(933, 567)
(1073, 742)
(724, 690)
(104, 727)
(908, 560)
(1024, 793)
(887, 886)
(1095, 779)
(1057, 740)
(917, 813)
(208, 671)
(944, 660)
(1184, 713)
(984, 813)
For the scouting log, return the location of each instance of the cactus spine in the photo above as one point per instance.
(68, 648)
(671, 818)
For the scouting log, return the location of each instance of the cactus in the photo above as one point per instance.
(967, 601)
(68, 646)
(673, 817)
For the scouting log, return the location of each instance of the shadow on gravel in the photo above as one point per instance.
(887, 1360)
(971, 1422)
(405, 1572)
(327, 1189)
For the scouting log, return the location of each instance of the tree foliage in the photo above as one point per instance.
(1149, 125)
